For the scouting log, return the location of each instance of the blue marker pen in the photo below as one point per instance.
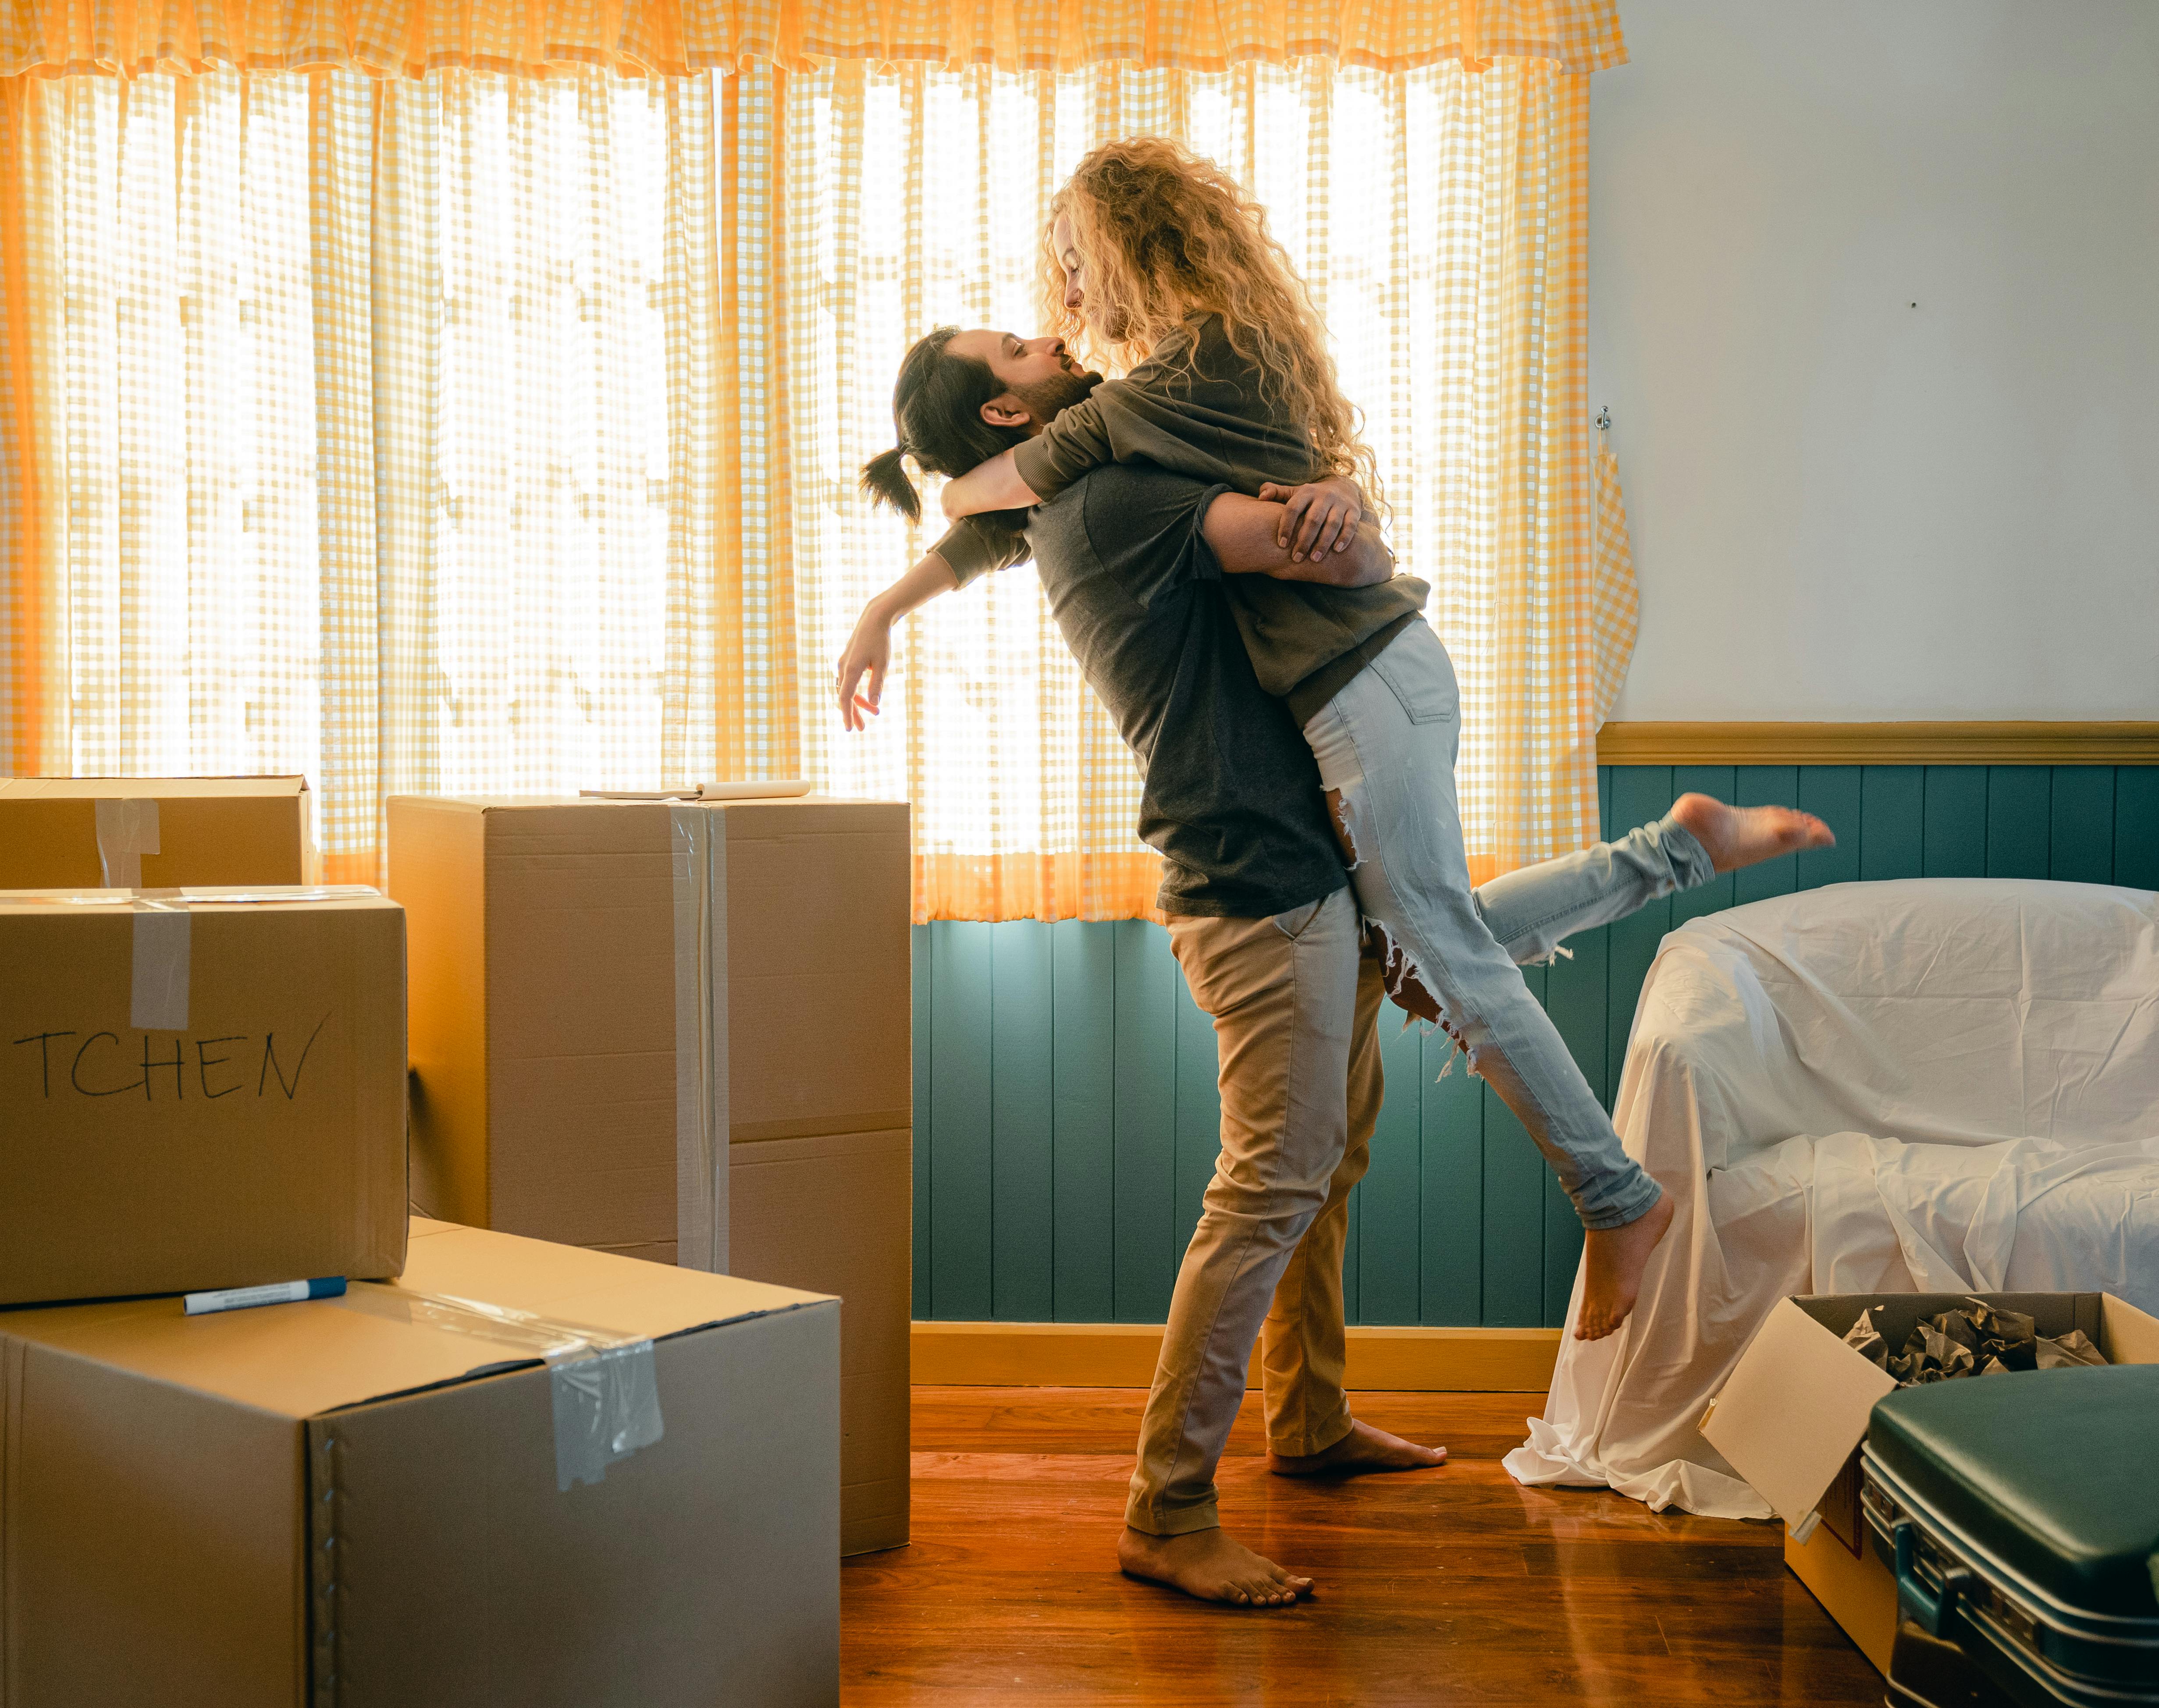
(328, 1287)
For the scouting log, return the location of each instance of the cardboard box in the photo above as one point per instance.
(388, 1501)
(1854, 1589)
(200, 1093)
(615, 1004)
(1794, 1414)
(819, 1214)
(155, 832)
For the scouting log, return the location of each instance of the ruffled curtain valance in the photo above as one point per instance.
(677, 38)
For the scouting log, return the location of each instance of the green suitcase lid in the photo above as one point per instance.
(2056, 1472)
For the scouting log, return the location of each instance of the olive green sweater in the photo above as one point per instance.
(1195, 408)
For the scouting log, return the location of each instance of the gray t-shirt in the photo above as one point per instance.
(1232, 797)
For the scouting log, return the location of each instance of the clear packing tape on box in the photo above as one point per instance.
(697, 863)
(605, 1385)
(157, 987)
(127, 830)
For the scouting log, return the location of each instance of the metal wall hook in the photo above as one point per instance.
(1604, 419)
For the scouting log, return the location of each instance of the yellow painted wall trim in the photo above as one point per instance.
(1878, 744)
(1122, 1355)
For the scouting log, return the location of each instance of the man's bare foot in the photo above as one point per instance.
(1612, 1279)
(1362, 1452)
(1212, 1566)
(1734, 836)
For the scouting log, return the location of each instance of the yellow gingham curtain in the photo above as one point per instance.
(1614, 607)
(487, 432)
(678, 38)
(386, 430)
(1439, 214)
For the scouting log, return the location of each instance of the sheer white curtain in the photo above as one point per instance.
(355, 442)
(1436, 214)
(486, 432)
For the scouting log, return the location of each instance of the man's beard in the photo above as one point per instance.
(1044, 398)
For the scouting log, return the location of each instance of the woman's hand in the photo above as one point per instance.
(868, 653)
(1321, 515)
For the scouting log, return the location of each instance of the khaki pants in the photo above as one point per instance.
(1294, 1006)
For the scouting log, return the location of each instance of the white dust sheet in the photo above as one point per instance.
(1932, 1084)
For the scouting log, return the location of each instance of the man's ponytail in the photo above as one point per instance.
(937, 418)
(884, 481)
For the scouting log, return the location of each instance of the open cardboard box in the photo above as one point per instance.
(1794, 1414)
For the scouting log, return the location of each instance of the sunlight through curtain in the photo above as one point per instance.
(478, 431)
(1438, 214)
(375, 439)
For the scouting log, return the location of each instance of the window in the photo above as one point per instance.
(489, 432)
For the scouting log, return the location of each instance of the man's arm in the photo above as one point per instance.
(1246, 536)
(869, 649)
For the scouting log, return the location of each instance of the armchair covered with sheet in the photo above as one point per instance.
(1936, 1085)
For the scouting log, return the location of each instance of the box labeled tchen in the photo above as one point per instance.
(199, 1090)
(679, 1030)
(524, 1473)
(1794, 1414)
(155, 832)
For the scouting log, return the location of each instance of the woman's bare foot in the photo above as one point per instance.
(1734, 836)
(1210, 1565)
(1611, 1276)
(1360, 1452)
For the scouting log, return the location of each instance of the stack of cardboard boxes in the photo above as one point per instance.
(679, 1030)
(494, 1469)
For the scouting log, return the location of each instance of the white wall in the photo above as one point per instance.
(1844, 506)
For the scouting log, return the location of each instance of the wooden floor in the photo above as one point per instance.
(1455, 1585)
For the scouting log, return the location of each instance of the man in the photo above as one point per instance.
(1265, 927)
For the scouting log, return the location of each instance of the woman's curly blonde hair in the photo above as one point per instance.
(1165, 233)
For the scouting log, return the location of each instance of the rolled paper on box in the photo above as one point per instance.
(328, 1287)
(760, 789)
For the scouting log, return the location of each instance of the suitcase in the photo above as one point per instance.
(1926, 1672)
(2021, 1515)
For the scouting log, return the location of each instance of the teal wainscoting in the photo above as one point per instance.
(1065, 1099)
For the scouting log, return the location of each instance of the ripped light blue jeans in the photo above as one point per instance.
(1386, 745)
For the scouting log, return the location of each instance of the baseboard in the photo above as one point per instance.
(1122, 1355)
(1916, 744)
